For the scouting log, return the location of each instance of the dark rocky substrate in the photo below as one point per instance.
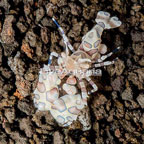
(28, 35)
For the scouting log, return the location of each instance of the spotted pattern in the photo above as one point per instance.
(101, 24)
(96, 44)
(88, 45)
(59, 105)
(115, 18)
(69, 118)
(52, 95)
(73, 110)
(71, 80)
(66, 108)
(107, 14)
(61, 119)
(97, 32)
(41, 87)
(114, 22)
(91, 52)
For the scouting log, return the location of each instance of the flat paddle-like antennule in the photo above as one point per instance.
(107, 22)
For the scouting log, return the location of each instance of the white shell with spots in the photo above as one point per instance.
(65, 109)
(46, 83)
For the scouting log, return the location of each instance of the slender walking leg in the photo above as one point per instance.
(104, 63)
(84, 91)
(95, 88)
(108, 55)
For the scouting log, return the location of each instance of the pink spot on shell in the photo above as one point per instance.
(71, 80)
(60, 119)
(91, 52)
(74, 110)
(52, 95)
(41, 87)
(88, 45)
(59, 105)
(81, 47)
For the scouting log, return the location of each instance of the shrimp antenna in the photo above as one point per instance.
(65, 38)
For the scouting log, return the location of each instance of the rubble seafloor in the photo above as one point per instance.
(27, 36)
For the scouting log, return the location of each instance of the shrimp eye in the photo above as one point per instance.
(96, 44)
(88, 45)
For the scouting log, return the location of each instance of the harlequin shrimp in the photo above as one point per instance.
(65, 109)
